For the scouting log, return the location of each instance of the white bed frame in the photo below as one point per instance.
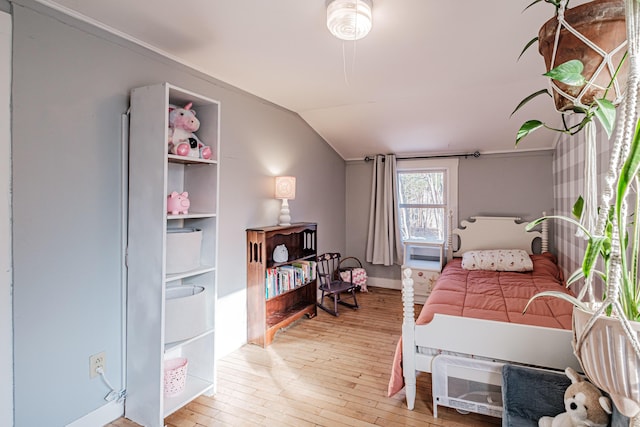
(493, 340)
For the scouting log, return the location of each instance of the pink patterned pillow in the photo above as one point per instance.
(497, 260)
(359, 276)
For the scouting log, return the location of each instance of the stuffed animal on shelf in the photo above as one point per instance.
(584, 404)
(182, 139)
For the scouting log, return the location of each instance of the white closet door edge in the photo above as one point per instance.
(6, 314)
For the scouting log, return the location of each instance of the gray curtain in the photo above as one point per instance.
(384, 243)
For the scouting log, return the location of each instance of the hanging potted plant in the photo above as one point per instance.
(593, 33)
(584, 51)
(607, 333)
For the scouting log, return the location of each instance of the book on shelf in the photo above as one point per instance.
(284, 278)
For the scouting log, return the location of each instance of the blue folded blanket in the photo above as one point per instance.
(529, 394)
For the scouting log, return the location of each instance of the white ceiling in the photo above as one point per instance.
(432, 77)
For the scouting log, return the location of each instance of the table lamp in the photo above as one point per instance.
(285, 190)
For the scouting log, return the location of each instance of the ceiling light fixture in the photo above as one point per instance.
(349, 19)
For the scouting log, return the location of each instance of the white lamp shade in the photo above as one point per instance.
(349, 19)
(286, 187)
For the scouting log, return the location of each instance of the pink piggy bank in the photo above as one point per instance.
(178, 203)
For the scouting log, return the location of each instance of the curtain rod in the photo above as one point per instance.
(475, 154)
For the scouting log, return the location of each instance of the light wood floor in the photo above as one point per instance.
(324, 371)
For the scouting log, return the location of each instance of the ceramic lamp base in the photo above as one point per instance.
(285, 217)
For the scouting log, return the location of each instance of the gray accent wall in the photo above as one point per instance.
(71, 84)
(518, 184)
(568, 177)
(513, 184)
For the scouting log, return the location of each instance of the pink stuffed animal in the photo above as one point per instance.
(182, 139)
(178, 203)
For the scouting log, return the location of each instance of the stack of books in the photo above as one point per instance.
(287, 277)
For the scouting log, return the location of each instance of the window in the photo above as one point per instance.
(422, 209)
(427, 190)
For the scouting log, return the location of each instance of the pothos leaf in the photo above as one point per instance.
(578, 207)
(531, 4)
(527, 128)
(569, 73)
(529, 98)
(527, 46)
(606, 114)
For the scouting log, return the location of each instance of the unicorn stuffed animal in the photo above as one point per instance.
(182, 139)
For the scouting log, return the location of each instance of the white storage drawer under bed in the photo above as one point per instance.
(468, 385)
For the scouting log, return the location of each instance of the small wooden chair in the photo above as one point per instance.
(332, 285)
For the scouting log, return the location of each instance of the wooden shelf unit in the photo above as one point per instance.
(265, 316)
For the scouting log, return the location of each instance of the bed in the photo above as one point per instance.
(526, 339)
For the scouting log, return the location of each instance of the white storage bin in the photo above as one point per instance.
(468, 385)
(183, 249)
(185, 313)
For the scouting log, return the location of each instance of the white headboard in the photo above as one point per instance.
(491, 232)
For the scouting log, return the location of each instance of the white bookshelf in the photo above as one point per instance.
(153, 174)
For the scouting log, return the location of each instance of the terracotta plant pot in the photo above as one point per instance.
(603, 23)
(609, 360)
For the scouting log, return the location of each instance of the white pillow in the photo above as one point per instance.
(497, 260)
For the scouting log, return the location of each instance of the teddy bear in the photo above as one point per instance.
(182, 140)
(584, 404)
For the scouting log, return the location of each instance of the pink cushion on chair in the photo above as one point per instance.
(359, 277)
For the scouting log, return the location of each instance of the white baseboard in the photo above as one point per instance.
(101, 416)
(384, 283)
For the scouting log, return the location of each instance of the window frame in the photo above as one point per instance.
(450, 169)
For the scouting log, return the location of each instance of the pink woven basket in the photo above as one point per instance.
(175, 376)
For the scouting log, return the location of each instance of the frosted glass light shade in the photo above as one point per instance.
(349, 19)
(286, 187)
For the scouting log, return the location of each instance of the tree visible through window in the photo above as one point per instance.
(422, 204)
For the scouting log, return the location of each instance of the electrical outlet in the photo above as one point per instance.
(97, 361)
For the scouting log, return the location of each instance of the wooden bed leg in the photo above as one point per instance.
(408, 339)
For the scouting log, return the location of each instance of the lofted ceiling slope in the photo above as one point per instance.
(432, 77)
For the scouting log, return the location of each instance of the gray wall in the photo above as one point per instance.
(518, 184)
(568, 174)
(71, 85)
(6, 276)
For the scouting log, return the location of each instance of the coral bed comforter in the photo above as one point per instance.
(494, 295)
